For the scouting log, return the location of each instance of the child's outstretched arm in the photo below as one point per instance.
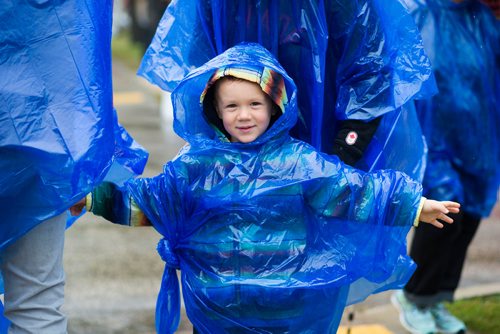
(435, 211)
(113, 204)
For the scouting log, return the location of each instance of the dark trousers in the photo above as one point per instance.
(440, 256)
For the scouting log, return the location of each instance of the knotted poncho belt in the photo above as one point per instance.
(169, 297)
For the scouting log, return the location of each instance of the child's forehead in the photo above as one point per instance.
(230, 82)
(230, 88)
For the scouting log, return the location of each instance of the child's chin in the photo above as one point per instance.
(244, 140)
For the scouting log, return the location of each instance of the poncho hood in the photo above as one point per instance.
(189, 120)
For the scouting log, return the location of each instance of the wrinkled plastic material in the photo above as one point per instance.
(350, 59)
(59, 134)
(270, 236)
(4, 323)
(462, 122)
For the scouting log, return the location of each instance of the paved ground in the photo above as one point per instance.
(113, 272)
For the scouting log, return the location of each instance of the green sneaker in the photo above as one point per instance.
(413, 319)
(446, 322)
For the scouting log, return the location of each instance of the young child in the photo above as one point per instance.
(269, 234)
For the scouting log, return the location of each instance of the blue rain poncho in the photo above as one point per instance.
(351, 59)
(270, 236)
(59, 135)
(462, 122)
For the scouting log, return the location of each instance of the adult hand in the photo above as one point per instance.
(77, 208)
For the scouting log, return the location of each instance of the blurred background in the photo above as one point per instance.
(137, 19)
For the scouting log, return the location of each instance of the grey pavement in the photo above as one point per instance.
(114, 273)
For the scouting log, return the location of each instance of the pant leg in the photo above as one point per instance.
(432, 249)
(453, 273)
(32, 269)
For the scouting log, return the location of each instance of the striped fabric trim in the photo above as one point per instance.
(88, 202)
(419, 211)
(137, 217)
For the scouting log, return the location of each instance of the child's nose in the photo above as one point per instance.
(244, 113)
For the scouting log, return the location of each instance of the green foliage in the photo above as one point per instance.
(481, 315)
(125, 50)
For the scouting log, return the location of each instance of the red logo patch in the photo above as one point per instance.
(351, 138)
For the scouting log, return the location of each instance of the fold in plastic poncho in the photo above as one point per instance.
(462, 122)
(59, 134)
(269, 235)
(351, 59)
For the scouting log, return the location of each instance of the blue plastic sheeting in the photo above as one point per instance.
(4, 323)
(462, 122)
(270, 236)
(350, 59)
(59, 134)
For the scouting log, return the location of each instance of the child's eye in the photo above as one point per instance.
(231, 106)
(256, 103)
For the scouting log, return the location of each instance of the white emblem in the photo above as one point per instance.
(351, 138)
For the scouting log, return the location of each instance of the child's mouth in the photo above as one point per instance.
(245, 128)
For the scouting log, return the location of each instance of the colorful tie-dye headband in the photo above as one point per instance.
(271, 82)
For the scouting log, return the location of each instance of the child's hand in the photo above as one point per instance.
(434, 210)
(77, 208)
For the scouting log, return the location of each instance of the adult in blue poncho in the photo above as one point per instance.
(357, 64)
(59, 137)
(269, 234)
(462, 126)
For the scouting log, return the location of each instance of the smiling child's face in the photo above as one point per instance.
(244, 108)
